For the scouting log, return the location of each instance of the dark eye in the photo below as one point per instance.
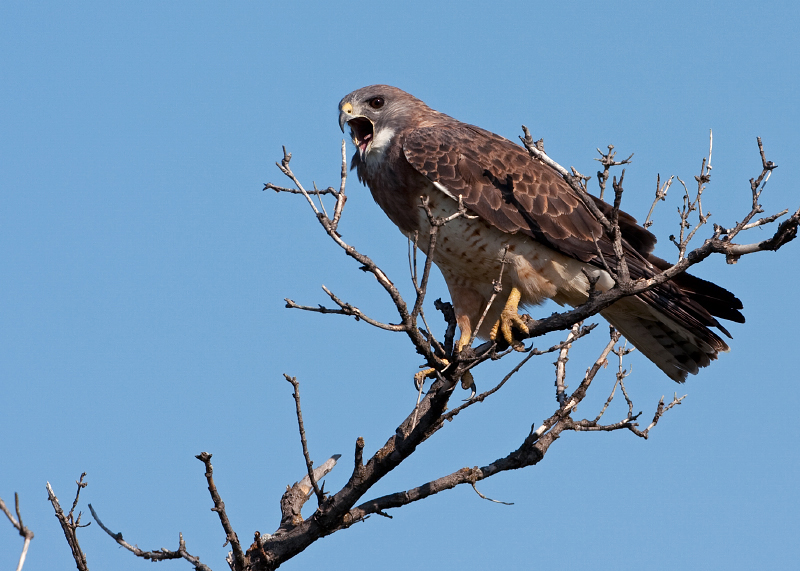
(376, 102)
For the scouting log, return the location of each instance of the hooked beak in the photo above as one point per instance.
(345, 114)
(361, 128)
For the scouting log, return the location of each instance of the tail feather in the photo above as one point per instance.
(716, 300)
(672, 348)
(671, 324)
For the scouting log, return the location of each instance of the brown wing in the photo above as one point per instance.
(502, 184)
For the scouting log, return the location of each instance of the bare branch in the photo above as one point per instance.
(490, 499)
(359, 456)
(573, 179)
(159, 555)
(561, 363)
(341, 198)
(24, 531)
(599, 363)
(309, 464)
(497, 287)
(690, 205)
(69, 524)
(787, 231)
(407, 318)
(622, 374)
(322, 191)
(607, 160)
(661, 194)
(284, 167)
(345, 309)
(616, 232)
(760, 222)
(319, 472)
(660, 410)
(533, 352)
(297, 495)
(450, 317)
(319, 199)
(219, 507)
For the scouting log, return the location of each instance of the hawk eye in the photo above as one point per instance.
(376, 102)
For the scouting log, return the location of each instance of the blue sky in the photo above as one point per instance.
(144, 271)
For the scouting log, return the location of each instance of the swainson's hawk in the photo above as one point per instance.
(526, 212)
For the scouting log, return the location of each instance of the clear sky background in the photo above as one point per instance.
(143, 271)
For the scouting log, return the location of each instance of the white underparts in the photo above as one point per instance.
(470, 253)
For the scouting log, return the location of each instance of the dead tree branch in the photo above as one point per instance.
(407, 318)
(25, 532)
(661, 194)
(607, 160)
(219, 507)
(309, 464)
(70, 524)
(296, 496)
(156, 555)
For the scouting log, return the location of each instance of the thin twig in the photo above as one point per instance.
(757, 223)
(561, 364)
(219, 507)
(408, 320)
(490, 499)
(661, 194)
(533, 352)
(322, 191)
(607, 160)
(497, 287)
(341, 198)
(309, 464)
(319, 198)
(24, 531)
(69, 524)
(159, 555)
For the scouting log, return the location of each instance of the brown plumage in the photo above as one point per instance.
(526, 212)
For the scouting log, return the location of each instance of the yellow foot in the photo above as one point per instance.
(467, 380)
(510, 318)
(419, 378)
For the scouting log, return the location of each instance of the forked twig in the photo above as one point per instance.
(156, 555)
(23, 530)
(70, 524)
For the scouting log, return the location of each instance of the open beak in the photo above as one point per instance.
(361, 128)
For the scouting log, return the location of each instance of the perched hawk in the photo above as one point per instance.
(523, 212)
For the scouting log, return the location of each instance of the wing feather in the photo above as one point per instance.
(499, 181)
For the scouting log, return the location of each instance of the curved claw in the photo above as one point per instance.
(468, 382)
(419, 378)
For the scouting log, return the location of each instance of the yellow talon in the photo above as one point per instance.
(467, 380)
(419, 378)
(510, 318)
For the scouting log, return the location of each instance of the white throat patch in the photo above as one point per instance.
(377, 147)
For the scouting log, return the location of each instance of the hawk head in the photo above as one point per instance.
(374, 114)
